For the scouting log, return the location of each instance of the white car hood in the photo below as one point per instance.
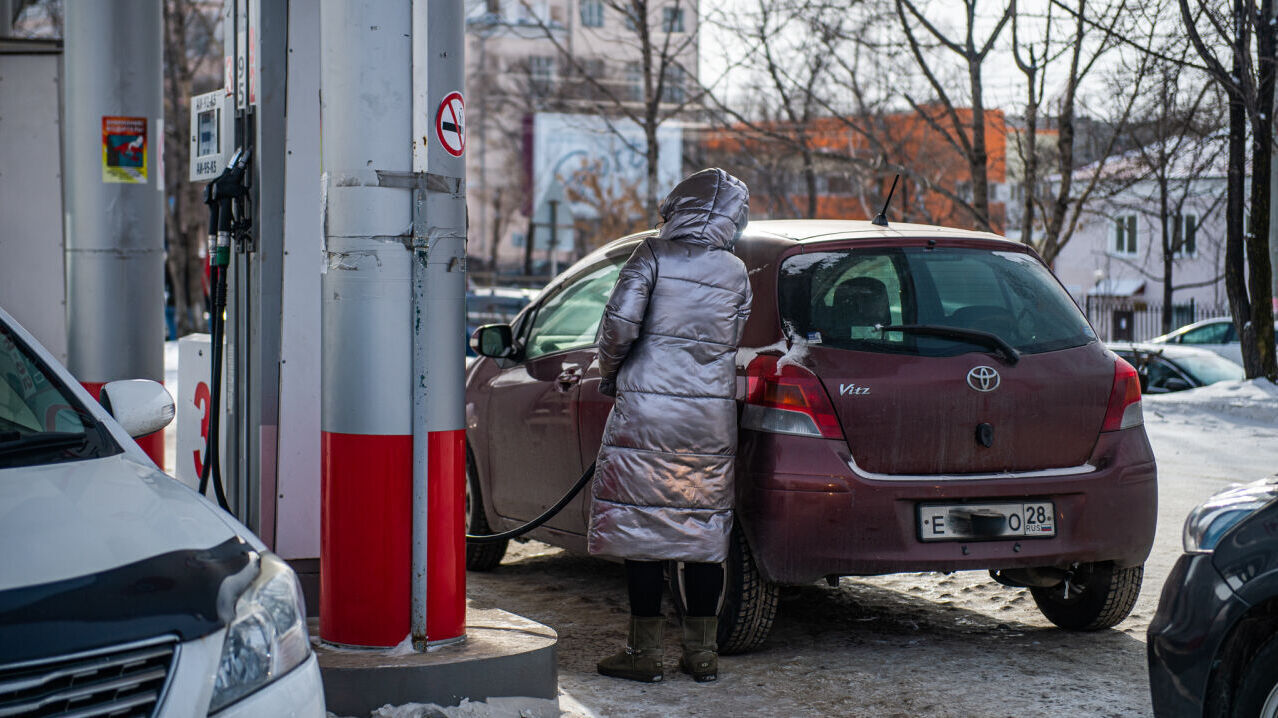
(60, 521)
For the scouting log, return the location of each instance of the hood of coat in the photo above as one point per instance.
(706, 208)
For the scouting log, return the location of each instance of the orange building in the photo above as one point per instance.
(853, 161)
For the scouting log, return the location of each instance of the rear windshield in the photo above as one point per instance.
(839, 297)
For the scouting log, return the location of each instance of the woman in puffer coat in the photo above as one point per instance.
(663, 486)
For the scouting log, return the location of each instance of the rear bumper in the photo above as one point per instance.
(826, 519)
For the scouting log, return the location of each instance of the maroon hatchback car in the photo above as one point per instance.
(913, 398)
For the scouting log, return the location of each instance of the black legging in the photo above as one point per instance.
(702, 584)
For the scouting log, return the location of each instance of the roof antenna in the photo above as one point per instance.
(880, 219)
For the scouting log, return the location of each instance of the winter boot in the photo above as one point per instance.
(640, 660)
(700, 649)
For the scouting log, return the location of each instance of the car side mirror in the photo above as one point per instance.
(141, 406)
(493, 340)
(1176, 384)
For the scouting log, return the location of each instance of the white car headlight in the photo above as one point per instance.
(1211, 520)
(268, 636)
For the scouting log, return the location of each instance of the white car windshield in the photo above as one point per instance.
(40, 421)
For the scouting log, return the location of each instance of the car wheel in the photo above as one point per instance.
(1258, 688)
(749, 603)
(1094, 596)
(479, 556)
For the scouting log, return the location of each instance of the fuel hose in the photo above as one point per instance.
(546, 516)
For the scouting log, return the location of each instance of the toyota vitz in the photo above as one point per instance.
(913, 398)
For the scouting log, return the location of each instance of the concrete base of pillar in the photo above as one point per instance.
(506, 660)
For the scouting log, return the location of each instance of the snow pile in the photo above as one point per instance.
(494, 708)
(1253, 401)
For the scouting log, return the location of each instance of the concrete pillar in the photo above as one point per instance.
(114, 211)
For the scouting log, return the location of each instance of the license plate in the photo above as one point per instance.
(952, 522)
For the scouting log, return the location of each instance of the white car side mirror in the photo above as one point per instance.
(141, 406)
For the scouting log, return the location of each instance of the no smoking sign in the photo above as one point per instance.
(450, 124)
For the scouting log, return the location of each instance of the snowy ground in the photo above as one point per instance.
(911, 644)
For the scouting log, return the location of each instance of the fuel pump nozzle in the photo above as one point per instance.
(225, 196)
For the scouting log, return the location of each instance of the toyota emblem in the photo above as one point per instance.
(983, 378)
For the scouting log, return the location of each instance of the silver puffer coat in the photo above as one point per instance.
(663, 486)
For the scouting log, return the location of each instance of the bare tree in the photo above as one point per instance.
(967, 136)
(1249, 85)
(656, 34)
(192, 53)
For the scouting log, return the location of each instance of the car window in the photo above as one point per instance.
(40, 421)
(1211, 368)
(1158, 372)
(1216, 333)
(569, 319)
(839, 297)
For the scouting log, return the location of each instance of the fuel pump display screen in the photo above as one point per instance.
(209, 121)
(207, 132)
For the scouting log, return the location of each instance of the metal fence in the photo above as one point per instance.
(1134, 319)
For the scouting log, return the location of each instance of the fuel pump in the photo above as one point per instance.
(227, 198)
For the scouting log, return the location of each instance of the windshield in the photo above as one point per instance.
(1210, 368)
(839, 297)
(41, 422)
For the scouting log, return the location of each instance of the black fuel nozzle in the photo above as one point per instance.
(220, 195)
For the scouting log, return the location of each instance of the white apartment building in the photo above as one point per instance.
(1114, 261)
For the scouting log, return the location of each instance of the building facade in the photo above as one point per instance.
(569, 77)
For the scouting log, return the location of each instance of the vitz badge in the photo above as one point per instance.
(983, 378)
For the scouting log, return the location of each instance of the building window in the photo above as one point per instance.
(672, 19)
(674, 89)
(839, 184)
(541, 74)
(1185, 235)
(592, 13)
(632, 17)
(1125, 235)
(634, 80)
(591, 71)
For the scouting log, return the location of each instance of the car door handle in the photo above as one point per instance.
(568, 377)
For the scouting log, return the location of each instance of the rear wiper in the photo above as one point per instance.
(14, 443)
(993, 341)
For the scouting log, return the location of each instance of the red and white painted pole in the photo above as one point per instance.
(366, 106)
(439, 324)
(113, 133)
(392, 557)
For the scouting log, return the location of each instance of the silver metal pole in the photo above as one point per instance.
(439, 323)
(366, 419)
(114, 190)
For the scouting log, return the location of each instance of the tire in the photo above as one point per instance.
(1258, 686)
(749, 604)
(1096, 596)
(479, 556)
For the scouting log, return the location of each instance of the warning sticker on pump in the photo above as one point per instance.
(952, 522)
(124, 150)
(450, 124)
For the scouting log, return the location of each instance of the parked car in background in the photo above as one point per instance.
(1217, 335)
(912, 398)
(1213, 643)
(1165, 368)
(123, 591)
(494, 305)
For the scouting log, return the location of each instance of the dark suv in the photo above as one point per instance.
(912, 399)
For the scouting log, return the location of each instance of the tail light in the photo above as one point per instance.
(1124, 410)
(787, 399)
